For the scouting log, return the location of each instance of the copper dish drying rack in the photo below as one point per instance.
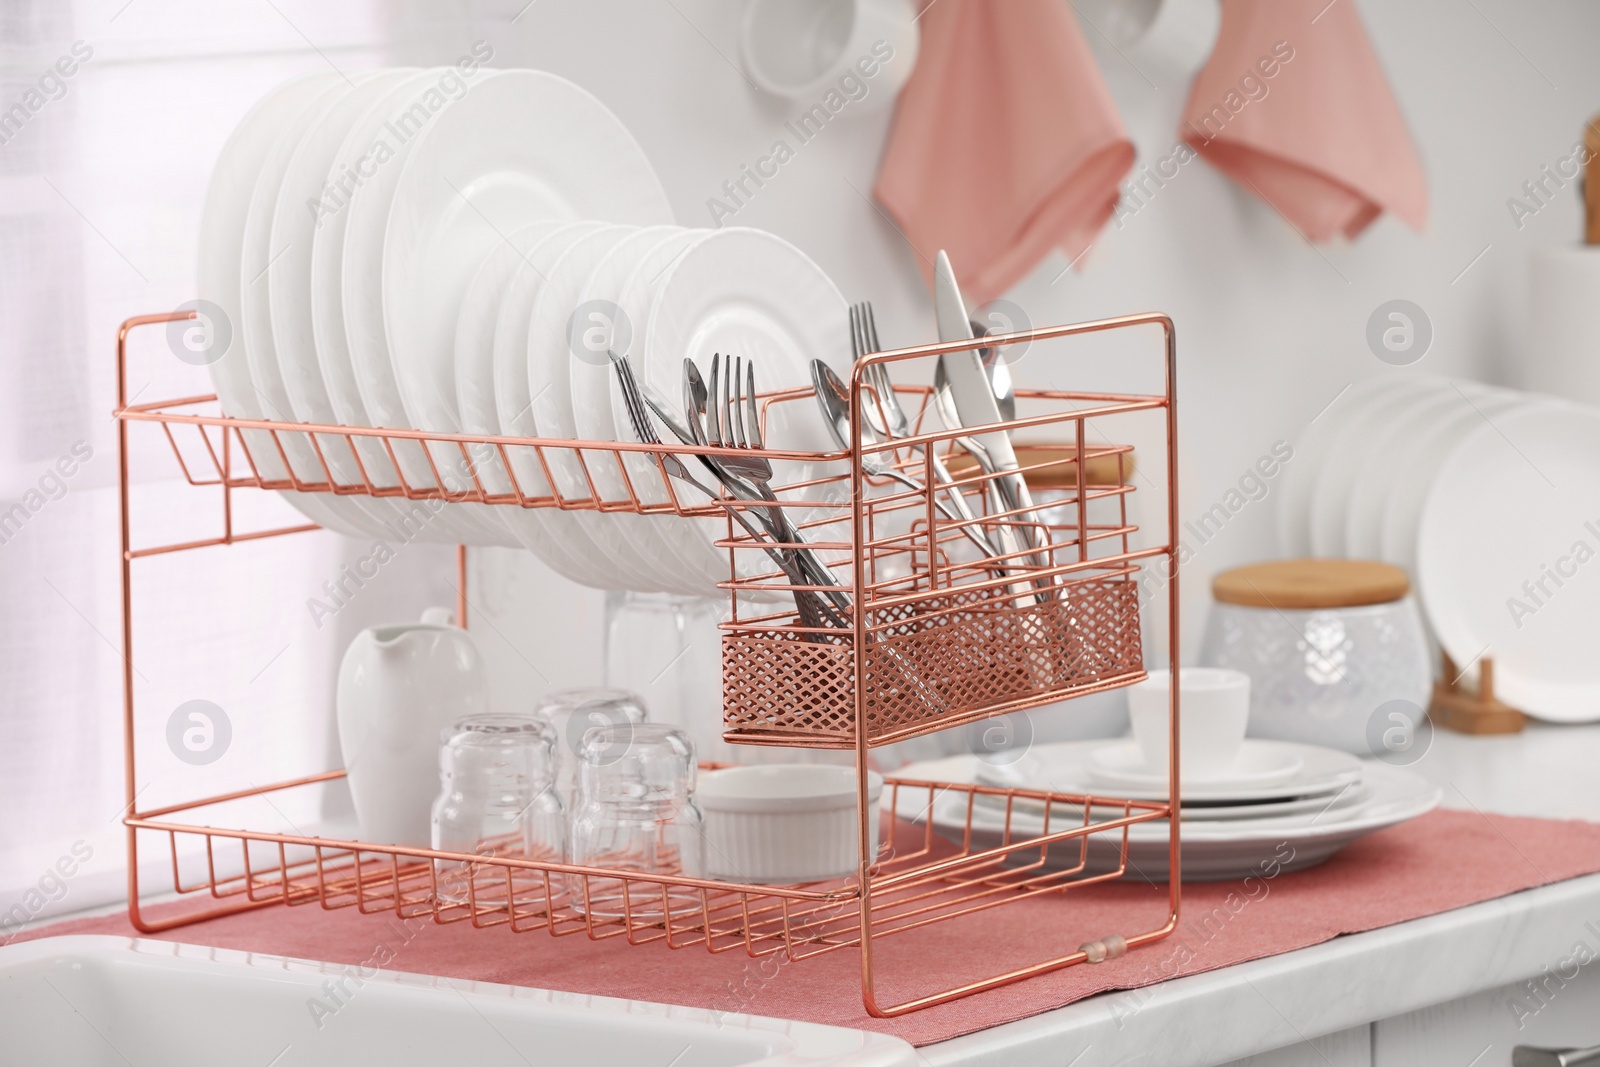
(940, 636)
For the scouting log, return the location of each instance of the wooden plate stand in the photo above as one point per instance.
(1468, 711)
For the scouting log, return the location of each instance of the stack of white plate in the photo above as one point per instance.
(1281, 806)
(455, 250)
(1490, 500)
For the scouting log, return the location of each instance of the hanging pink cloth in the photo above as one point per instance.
(1005, 142)
(1294, 106)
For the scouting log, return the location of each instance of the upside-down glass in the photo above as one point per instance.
(497, 799)
(667, 649)
(572, 713)
(636, 812)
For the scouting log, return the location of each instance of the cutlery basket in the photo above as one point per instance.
(976, 650)
(940, 633)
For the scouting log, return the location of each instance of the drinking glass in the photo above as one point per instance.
(497, 798)
(668, 648)
(572, 713)
(636, 812)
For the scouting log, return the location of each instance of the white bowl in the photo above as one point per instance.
(784, 822)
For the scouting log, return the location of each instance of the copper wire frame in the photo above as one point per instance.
(920, 604)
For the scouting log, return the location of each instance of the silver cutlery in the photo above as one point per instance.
(1527, 1056)
(734, 422)
(1005, 396)
(738, 427)
(814, 612)
(746, 476)
(888, 403)
(964, 397)
(834, 399)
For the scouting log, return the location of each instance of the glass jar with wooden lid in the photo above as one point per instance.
(1335, 650)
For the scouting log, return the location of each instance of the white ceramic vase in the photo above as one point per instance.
(400, 688)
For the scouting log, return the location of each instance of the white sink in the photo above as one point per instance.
(89, 1001)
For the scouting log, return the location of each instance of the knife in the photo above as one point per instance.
(969, 391)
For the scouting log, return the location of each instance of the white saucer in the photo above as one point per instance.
(1259, 763)
(1063, 767)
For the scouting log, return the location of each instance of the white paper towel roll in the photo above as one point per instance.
(1561, 355)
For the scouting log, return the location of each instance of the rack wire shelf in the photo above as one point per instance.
(939, 636)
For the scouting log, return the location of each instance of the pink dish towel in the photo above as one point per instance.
(1005, 142)
(1294, 106)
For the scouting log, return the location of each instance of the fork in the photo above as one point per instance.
(725, 420)
(813, 611)
(733, 421)
(738, 426)
(892, 416)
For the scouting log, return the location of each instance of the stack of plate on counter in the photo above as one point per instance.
(1490, 500)
(456, 250)
(1281, 805)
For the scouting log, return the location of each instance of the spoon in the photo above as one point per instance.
(834, 399)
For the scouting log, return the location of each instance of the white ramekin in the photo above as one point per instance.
(783, 822)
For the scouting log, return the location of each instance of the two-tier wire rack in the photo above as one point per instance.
(940, 635)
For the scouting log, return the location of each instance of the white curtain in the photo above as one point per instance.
(102, 175)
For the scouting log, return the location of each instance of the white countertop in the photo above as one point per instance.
(1551, 771)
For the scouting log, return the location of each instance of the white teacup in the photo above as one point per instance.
(1214, 709)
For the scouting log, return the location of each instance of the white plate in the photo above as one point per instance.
(1507, 557)
(255, 313)
(414, 108)
(474, 342)
(218, 280)
(1063, 767)
(1337, 478)
(548, 358)
(749, 293)
(1419, 464)
(1310, 453)
(624, 280)
(685, 537)
(1211, 852)
(276, 259)
(1198, 813)
(306, 200)
(354, 163)
(514, 408)
(1376, 461)
(1259, 763)
(520, 146)
(347, 264)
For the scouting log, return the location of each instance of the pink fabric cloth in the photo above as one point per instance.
(1295, 107)
(1005, 142)
(1444, 860)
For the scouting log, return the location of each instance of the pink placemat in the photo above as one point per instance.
(1444, 860)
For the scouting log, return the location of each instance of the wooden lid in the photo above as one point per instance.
(1311, 583)
(1057, 465)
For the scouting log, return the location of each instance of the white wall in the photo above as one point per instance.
(1270, 328)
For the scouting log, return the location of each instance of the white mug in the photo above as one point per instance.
(839, 55)
(1213, 709)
